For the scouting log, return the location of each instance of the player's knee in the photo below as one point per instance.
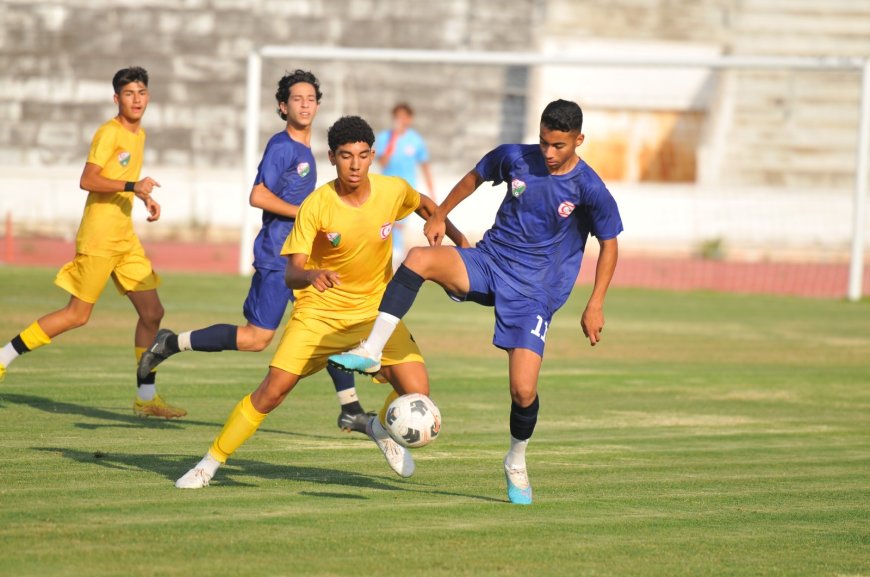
(76, 319)
(523, 396)
(417, 260)
(152, 315)
(260, 342)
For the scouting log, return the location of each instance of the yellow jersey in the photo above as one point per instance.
(355, 242)
(106, 228)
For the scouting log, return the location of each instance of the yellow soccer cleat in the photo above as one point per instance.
(2, 371)
(157, 407)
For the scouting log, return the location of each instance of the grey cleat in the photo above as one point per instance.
(155, 354)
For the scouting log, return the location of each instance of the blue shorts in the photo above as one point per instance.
(267, 299)
(520, 322)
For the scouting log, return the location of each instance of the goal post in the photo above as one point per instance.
(860, 66)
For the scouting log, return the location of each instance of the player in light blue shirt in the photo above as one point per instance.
(401, 150)
(525, 266)
(287, 174)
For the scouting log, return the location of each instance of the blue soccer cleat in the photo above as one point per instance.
(519, 489)
(357, 359)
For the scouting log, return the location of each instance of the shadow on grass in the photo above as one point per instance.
(173, 466)
(231, 475)
(125, 421)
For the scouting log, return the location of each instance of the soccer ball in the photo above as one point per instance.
(413, 420)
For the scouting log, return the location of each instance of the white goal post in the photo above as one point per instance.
(861, 66)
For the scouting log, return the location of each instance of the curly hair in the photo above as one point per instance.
(291, 78)
(349, 129)
(125, 76)
(563, 115)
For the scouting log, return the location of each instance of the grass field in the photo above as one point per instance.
(708, 434)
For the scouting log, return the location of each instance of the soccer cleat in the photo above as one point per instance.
(196, 478)
(2, 371)
(157, 407)
(349, 422)
(519, 489)
(155, 354)
(399, 458)
(358, 359)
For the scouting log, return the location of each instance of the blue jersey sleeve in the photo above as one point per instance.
(276, 159)
(495, 166)
(422, 153)
(605, 221)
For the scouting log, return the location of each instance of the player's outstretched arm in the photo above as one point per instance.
(296, 276)
(592, 321)
(263, 198)
(436, 225)
(427, 209)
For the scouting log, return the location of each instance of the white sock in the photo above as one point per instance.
(209, 464)
(347, 396)
(8, 354)
(516, 456)
(184, 341)
(146, 392)
(383, 329)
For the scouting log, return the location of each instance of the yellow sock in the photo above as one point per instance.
(242, 423)
(34, 337)
(139, 352)
(382, 415)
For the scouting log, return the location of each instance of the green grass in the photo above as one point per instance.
(708, 434)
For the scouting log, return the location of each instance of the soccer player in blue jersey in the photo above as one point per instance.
(285, 177)
(525, 266)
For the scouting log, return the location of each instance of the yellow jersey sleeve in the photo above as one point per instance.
(103, 146)
(410, 200)
(305, 228)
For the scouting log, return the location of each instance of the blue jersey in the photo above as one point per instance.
(288, 170)
(409, 150)
(540, 230)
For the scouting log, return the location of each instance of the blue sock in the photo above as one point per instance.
(523, 420)
(342, 380)
(215, 338)
(401, 292)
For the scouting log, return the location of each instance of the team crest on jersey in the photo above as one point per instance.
(565, 209)
(385, 230)
(517, 187)
(124, 158)
(334, 238)
(303, 169)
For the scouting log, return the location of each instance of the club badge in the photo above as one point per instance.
(303, 169)
(517, 187)
(565, 209)
(385, 230)
(334, 238)
(124, 158)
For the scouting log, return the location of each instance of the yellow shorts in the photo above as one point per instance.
(86, 275)
(308, 342)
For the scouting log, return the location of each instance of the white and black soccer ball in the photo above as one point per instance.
(413, 420)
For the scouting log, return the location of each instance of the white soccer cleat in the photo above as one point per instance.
(196, 478)
(358, 359)
(519, 489)
(398, 457)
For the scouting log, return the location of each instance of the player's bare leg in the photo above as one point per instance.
(148, 403)
(524, 368)
(75, 314)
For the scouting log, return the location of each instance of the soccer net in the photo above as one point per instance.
(730, 172)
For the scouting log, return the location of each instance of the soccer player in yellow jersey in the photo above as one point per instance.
(339, 262)
(106, 245)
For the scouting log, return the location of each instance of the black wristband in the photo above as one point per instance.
(129, 187)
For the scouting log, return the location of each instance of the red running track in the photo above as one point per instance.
(819, 280)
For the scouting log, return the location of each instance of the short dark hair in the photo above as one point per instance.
(349, 129)
(563, 115)
(403, 106)
(291, 78)
(125, 76)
